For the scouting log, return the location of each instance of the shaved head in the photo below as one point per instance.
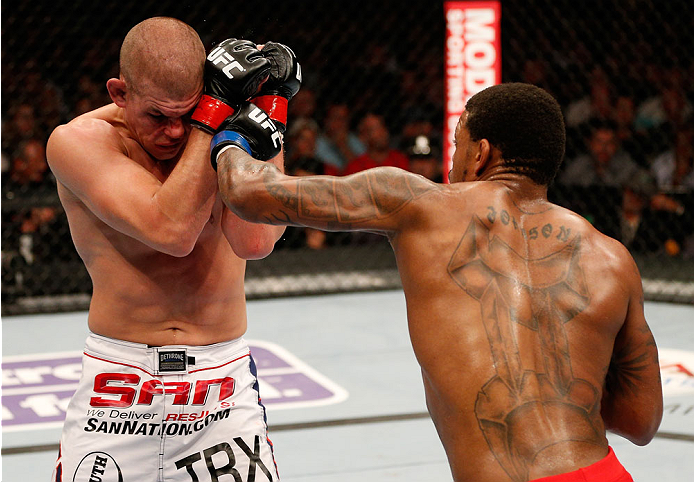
(162, 53)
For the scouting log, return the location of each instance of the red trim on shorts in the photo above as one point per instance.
(219, 366)
(118, 363)
(59, 464)
(152, 375)
(608, 469)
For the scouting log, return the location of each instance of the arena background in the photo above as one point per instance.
(630, 61)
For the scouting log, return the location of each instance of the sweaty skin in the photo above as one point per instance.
(163, 253)
(528, 323)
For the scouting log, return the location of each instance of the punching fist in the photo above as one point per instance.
(234, 70)
(252, 130)
(284, 82)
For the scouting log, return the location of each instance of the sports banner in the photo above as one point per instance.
(472, 60)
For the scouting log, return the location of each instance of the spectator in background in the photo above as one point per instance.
(20, 125)
(624, 115)
(604, 163)
(633, 142)
(597, 104)
(596, 176)
(418, 123)
(535, 71)
(337, 145)
(669, 106)
(89, 96)
(376, 136)
(424, 154)
(6, 163)
(29, 166)
(303, 106)
(674, 168)
(45, 96)
(649, 220)
(30, 181)
(631, 208)
(301, 142)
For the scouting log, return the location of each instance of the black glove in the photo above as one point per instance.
(234, 71)
(284, 82)
(252, 130)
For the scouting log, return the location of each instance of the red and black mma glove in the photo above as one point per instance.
(250, 129)
(234, 70)
(284, 82)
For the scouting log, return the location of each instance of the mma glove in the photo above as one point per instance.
(234, 71)
(250, 129)
(284, 82)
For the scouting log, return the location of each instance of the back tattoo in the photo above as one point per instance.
(541, 295)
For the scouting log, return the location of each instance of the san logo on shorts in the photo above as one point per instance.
(98, 467)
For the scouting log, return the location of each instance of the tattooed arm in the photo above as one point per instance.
(373, 200)
(632, 402)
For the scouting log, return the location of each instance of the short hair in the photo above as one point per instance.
(525, 123)
(165, 52)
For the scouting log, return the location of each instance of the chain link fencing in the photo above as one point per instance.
(623, 72)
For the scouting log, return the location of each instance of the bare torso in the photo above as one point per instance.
(528, 323)
(145, 296)
(513, 308)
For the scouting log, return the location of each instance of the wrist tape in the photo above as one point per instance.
(224, 139)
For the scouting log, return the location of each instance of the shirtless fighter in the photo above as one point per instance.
(527, 322)
(168, 389)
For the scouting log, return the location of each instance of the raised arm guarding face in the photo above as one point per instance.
(377, 200)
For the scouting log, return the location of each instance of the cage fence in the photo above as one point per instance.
(622, 71)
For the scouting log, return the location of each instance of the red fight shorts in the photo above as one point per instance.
(608, 469)
(171, 413)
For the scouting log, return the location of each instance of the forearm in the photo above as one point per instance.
(241, 186)
(268, 234)
(377, 200)
(186, 197)
(632, 401)
(636, 419)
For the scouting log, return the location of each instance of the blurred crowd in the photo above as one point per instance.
(628, 168)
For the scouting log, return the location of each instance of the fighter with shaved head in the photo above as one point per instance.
(168, 389)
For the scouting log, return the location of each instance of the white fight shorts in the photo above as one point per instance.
(171, 413)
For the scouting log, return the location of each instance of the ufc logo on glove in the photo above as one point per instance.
(219, 55)
(261, 118)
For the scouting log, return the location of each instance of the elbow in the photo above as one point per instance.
(650, 429)
(639, 427)
(178, 243)
(178, 248)
(255, 254)
(643, 436)
(256, 248)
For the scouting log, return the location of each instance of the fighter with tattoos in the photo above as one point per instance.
(527, 322)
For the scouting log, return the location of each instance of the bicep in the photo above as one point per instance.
(96, 169)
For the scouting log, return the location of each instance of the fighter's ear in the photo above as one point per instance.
(483, 156)
(117, 90)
